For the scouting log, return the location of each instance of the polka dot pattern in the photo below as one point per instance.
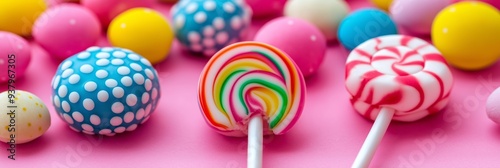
(108, 90)
(208, 26)
(32, 117)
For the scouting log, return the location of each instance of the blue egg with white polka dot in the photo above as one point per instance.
(105, 91)
(206, 26)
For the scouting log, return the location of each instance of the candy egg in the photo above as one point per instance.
(24, 119)
(105, 90)
(66, 29)
(18, 16)
(302, 41)
(493, 107)
(467, 33)
(144, 31)
(208, 26)
(364, 24)
(409, 14)
(262, 8)
(109, 9)
(15, 55)
(382, 4)
(326, 15)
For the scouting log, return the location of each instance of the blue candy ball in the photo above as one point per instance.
(206, 26)
(105, 90)
(363, 25)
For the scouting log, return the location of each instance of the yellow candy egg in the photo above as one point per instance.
(18, 16)
(24, 117)
(144, 31)
(468, 34)
(382, 4)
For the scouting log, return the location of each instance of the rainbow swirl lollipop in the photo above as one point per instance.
(247, 79)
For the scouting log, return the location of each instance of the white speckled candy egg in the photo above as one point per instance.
(26, 120)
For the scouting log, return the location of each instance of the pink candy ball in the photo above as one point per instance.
(107, 10)
(416, 16)
(13, 44)
(262, 8)
(66, 29)
(302, 41)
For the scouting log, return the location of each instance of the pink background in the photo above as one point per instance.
(328, 134)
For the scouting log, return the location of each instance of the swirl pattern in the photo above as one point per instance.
(251, 78)
(400, 72)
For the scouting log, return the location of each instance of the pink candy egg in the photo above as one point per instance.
(411, 16)
(15, 55)
(108, 9)
(266, 7)
(66, 29)
(302, 41)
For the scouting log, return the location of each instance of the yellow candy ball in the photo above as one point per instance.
(468, 34)
(382, 4)
(18, 16)
(143, 31)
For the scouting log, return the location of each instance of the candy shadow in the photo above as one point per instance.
(495, 129)
(34, 147)
(145, 134)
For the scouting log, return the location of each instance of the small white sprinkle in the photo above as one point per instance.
(65, 106)
(73, 79)
(101, 74)
(102, 62)
(102, 55)
(115, 121)
(57, 101)
(135, 67)
(117, 62)
(208, 31)
(131, 100)
(179, 21)
(134, 57)
(111, 83)
(200, 17)
(194, 37)
(191, 8)
(123, 70)
(138, 78)
(119, 54)
(107, 49)
(105, 131)
(87, 127)
(74, 97)
(128, 117)
(118, 92)
(66, 65)
(236, 23)
(88, 104)
(132, 127)
(77, 116)
(68, 119)
(154, 94)
(63, 90)
(102, 96)
(117, 107)
(120, 129)
(93, 48)
(209, 5)
(126, 81)
(86, 68)
(145, 97)
(148, 85)
(90, 86)
(140, 114)
(66, 73)
(83, 55)
(94, 119)
(228, 7)
(218, 23)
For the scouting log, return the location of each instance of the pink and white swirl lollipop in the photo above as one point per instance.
(395, 77)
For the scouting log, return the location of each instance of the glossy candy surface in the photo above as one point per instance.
(105, 91)
(251, 78)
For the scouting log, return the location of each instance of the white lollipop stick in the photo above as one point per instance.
(373, 139)
(255, 136)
